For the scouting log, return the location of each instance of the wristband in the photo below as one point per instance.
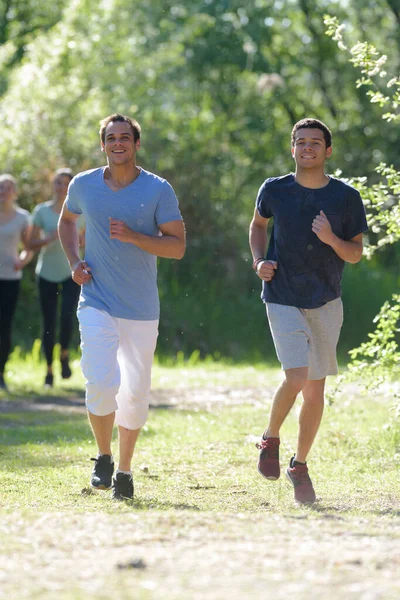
(256, 261)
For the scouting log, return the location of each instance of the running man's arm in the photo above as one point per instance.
(348, 250)
(69, 238)
(171, 244)
(258, 239)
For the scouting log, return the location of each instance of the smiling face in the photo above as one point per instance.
(119, 144)
(309, 149)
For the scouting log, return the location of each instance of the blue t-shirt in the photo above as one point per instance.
(124, 277)
(309, 272)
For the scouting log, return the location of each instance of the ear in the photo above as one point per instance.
(137, 144)
(292, 151)
(329, 152)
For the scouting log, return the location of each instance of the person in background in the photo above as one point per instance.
(318, 225)
(14, 231)
(54, 279)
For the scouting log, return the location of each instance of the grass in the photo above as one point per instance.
(203, 522)
(196, 458)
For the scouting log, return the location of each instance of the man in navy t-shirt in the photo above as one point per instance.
(318, 223)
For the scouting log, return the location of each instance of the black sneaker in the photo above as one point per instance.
(65, 368)
(3, 384)
(49, 380)
(102, 472)
(122, 487)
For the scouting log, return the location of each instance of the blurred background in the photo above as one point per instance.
(216, 86)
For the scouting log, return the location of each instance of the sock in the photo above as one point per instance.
(124, 472)
(297, 462)
(264, 437)
(111, 456)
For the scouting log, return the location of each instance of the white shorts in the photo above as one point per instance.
(307, 337)
(117, 356)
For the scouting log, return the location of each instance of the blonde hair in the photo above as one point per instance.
(8, 177)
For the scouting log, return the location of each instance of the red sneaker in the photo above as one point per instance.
(298, 476)
(268, 462)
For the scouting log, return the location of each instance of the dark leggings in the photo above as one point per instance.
(9, 290)
(48, 292)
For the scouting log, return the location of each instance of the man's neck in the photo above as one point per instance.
(120, 176)
(311, 179)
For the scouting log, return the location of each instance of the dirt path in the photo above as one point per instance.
(182, 398)
(188, 555)
(193, 556)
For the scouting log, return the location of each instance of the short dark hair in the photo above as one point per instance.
(312, 124)
(115, 118)
(63, 172)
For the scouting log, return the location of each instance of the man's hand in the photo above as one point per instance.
(322, 228)
(120, 231)
(266, 269)
(81, 273)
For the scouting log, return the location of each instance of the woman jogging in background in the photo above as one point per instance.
(54, 276)
(14, 231)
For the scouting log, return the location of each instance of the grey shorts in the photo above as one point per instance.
(307, 337)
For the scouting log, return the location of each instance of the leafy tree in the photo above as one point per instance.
(217, 86)
(377, 362)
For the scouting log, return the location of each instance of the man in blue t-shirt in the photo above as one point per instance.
(132, 217)
(318, 224)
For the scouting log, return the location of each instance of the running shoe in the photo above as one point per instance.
(268, 461)
(102, 472)
(122, 487)
(297, 474)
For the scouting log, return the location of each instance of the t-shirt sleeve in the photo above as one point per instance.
(168, 206)
(26, 219)
(37, 217)
(356, 220)
(72, 199)
(263, 203)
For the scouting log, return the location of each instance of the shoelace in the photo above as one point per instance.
(271, 445)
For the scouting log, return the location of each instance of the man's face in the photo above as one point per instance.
(309, 150)
(119, 144)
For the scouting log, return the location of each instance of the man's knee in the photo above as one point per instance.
(100, 397)
(133, 418)
(296, 379)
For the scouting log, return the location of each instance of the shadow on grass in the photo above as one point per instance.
(138, 502)
(331, 512)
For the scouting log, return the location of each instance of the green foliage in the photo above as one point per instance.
(371, 63)
(377, 361)
(217, 87)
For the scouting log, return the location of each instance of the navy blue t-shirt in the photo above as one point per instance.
(309, 271)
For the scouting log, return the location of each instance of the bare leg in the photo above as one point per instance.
(102, 429)
(310, 417)
(285, 396)
(127, 442)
